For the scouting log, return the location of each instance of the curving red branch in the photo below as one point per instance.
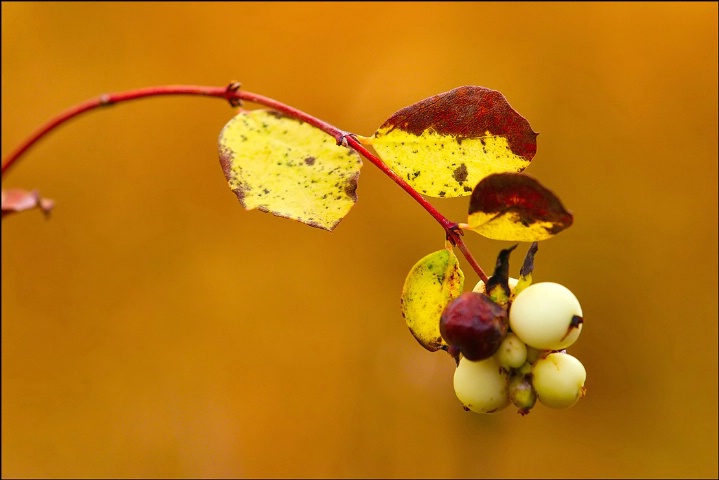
(235, 96)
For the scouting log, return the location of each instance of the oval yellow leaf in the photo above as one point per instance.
(278, 164)
(432, 283)
(444, 145)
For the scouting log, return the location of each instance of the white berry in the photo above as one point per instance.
(512, 352)
(558, 380)
(481, 386)
(546, 316)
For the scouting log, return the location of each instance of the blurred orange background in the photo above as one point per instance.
(154, 328)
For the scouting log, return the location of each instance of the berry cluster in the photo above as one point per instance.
(510, 342)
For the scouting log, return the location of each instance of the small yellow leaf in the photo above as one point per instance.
(289, 168)
(432, 283)
(444, 145)
(523, 282)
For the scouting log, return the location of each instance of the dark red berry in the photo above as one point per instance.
(473, 324)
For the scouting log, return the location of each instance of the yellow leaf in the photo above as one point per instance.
(289, 168)
(444, 145)
(432, 283)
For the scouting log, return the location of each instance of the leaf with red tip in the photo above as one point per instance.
(514, 207)
(18, 200)
(444, 145)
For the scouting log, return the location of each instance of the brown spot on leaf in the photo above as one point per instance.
(240, 192)
(351, 187)
(460, 173)
(310, 161)
(238, 188)
(277, 114)
(226, 161)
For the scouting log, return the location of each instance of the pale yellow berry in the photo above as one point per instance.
(481, 386)
(559, 380)
(546, 316)
(512, 352)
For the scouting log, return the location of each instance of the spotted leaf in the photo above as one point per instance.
(289, 168)
(444, 145)
(431, 284)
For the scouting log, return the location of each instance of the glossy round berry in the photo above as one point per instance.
(481, 386)
(546, 316)
(474, 325)
(512, 352)
(558, 380)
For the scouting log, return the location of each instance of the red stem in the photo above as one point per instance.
(232, 94)
(465, 251)
(104, 101)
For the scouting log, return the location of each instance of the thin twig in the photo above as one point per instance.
(234, 96)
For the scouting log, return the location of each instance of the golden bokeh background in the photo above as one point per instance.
(154, 328)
